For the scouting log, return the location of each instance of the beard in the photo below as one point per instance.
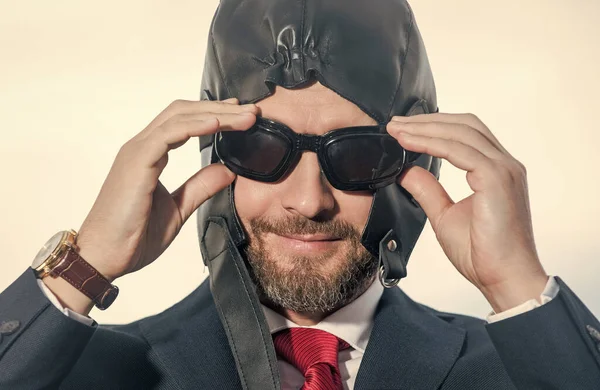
(309, 283)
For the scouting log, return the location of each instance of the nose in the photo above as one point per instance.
(307, 191)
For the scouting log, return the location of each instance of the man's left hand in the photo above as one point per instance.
(488, 236)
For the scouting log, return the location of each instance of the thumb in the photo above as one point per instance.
(427, 191)
(200, 187)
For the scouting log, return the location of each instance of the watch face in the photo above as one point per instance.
(47, 249)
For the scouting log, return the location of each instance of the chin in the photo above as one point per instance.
(310, 283)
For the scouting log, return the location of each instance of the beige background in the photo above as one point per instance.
(77, 80)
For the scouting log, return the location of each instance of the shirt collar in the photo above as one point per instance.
(352, 323)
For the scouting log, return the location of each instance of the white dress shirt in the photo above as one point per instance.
(352, 323)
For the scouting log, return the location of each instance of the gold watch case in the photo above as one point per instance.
(53, 252)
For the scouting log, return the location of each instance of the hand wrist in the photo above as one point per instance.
(77, 284)
(68, 296)
(91, 257)
(514, 292)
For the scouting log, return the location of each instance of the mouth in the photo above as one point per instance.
(311, 237)
(307, 243)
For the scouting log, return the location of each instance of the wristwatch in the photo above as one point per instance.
(60, 257)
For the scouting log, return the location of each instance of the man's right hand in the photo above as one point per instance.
(135, 218)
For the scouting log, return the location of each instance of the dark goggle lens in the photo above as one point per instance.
(254, 151)
(367, 158)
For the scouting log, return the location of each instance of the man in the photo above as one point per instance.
(322, 146)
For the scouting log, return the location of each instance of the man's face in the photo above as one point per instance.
(304, 235)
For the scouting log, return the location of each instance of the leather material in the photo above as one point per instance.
(239, 310)
(394, 210)
(373, 56)
(75, 270)
(257, 44)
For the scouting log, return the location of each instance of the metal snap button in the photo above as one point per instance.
(392, 246)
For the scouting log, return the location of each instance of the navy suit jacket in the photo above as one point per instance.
(411, 347)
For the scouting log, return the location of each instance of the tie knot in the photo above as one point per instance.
(306, 347)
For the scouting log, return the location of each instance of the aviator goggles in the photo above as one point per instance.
(352, 158)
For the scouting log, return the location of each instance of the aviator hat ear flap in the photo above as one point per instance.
(396, 220)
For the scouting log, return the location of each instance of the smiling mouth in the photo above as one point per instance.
(310, 237)
(307, 244)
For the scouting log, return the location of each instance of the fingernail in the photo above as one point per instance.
(249, 107)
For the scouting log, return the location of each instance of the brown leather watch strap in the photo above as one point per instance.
(75, 270)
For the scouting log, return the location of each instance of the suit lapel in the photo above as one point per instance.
(410, 347)
(191, 343)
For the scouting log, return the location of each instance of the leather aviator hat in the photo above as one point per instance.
(370, 53)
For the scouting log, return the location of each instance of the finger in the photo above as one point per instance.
(458, 154)
(176, 133)
(228, 121)
(451, 131)
(200, 187)
(196, 107)
(468, 119)
(427, 191)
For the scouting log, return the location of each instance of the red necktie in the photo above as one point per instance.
(314, 353)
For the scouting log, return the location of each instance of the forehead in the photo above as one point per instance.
(312, 109)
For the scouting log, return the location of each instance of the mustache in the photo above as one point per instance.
(297, 225)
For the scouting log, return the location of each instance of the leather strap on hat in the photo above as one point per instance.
(239, 309)
(75, 270)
